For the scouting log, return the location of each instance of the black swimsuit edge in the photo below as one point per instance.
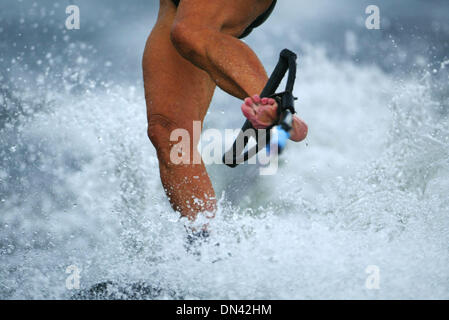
(256, 23)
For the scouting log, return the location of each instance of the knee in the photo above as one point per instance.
(159, 131)
(186, 38)
(153, 132)
(169, 139)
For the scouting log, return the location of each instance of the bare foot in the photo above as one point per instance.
(261, 112)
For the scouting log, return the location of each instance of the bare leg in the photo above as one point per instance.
(205, 32)
(189, 51)
(177, 93)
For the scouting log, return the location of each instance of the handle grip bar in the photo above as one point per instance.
(235, 155)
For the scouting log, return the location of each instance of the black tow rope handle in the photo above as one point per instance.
(235, 155)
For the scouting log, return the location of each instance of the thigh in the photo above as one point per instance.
(228, 16)
(175, 90)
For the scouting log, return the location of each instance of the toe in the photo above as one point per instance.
(256, 98)
(248, 111)
(249, 102)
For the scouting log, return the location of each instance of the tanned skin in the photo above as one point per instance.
(191, 50)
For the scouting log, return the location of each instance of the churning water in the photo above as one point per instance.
(79, 180)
